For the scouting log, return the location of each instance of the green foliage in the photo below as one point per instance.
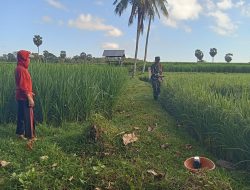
(65, 92)
(199, 54)
(74, 163)
(215, 109)
(37, 39)
(207, 67)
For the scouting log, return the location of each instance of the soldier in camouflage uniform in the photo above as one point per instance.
(156, 77)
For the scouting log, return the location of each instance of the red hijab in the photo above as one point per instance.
(23, 58)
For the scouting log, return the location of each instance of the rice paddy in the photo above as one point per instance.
(64, 92)
(215, 110)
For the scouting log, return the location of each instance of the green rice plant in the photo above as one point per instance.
(215, 109)
(207, 67)
(7, 92)
(65, 92)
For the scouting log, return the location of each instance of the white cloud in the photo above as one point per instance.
(56, 4)
(210, 5)
(240, 3)
(222, 4)
(115, 32)
(245, 10)
(244, 7)
(225, 4)
(182, 10)
(88, 22)
(99, 2)
(170, 22)
(224, 25)
(47, 19)
(110, 46)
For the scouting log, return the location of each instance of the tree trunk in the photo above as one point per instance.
(146, 46)
(38, 54)
(137, 43)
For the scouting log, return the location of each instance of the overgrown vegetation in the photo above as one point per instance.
(215, 109)
(64, 158)
(64, 92)
(207, 67)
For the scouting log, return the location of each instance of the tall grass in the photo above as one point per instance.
(65, 92)
(207, 67)
(215, 108)
(7, 93)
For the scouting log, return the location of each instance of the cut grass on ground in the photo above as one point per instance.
(63, 158)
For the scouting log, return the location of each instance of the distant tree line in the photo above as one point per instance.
(48, 57)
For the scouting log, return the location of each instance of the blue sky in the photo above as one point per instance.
(91, 26)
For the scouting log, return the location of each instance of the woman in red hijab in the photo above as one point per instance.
(24, 96)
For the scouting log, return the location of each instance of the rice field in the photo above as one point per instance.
(207, 67)
(215, 110)
(64, 92)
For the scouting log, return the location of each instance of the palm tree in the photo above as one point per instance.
(37, 41)
(153, 9)
(63, 55)
(89, 57)
(137, 11)
(83, 56)
(228, 57)
(213, 52)
(199, 54)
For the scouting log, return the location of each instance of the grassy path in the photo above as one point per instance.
(64, 158)
(140, 110)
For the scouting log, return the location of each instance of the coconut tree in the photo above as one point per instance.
(228, 57)
(137, 12)
(213, 52)
(38, 40)
(154, 7)
(199, 55)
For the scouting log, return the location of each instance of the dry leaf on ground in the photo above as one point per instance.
(4, 163)
(150, 129)
(71, 178)
(165, 146)
(44, 157)
(152, 172)
(129, 138)
(30, 145)
(188, 146)
(121, 133)
(155, 174)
